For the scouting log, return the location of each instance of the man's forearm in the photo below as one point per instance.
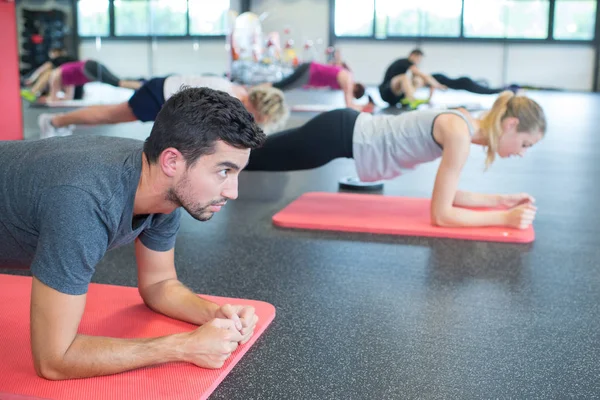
(174, 300)
(470, 199)
(90, 356)
(431, 80)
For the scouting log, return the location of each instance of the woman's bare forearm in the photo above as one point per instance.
(460, 217)
(471, 199)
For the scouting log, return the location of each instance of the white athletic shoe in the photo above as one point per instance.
(48, 130)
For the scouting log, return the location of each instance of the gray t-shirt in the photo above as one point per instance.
(66, 201)
(385, 146)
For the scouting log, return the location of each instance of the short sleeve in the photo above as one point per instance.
(160, 235)
(73, 238)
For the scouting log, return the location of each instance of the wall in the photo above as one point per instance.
(147, 58)
(554, 65)
(135, 58)
(557, 65)
(551, 65)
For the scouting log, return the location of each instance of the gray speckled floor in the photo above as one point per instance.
(381, 317)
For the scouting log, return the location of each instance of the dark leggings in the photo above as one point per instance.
(97, 72)
(322, 139)
(464, 83)
(297, 79)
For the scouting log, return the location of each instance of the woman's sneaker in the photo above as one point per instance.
(28, 95)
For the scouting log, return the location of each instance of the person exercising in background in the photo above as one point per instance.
(318, 75)
(38, 80)
(266, 104)
(387, 146)
(78, 73)
(397, 86)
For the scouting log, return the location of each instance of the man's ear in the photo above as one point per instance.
(170, 160)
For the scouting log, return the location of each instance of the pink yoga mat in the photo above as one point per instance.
(389, 215)
(110, 311)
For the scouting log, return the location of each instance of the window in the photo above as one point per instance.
(480, 19)
(154, 17)
(131, 17)
(423, 18)
(145, 18)
(354, 17)
(515, 19)
(208, 17)
(527, 19)
(574, 19)
(92, 16)
(168, 17)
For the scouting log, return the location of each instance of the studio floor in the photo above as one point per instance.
(364, 316)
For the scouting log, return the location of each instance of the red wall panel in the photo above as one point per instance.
(11, 113)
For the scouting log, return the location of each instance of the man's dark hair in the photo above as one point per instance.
(417, 52)
(193, 119)
(358, 91)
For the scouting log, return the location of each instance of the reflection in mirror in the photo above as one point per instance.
(46, 40)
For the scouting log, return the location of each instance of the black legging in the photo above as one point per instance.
(97, 72)
(464, 83)
(322, 139)
(297, 79)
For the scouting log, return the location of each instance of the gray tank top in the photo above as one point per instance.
(385, 146)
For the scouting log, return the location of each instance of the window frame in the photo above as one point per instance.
(461, 38)
(112, 36)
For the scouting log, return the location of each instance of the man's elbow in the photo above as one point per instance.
(147, 297)
(154, 294)
(49, 369)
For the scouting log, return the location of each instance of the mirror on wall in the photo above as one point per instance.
(46, 38)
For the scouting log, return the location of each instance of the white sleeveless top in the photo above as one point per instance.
(385, 146)
(174, 82)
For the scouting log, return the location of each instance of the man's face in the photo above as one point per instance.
(416, 59)
(205, 187)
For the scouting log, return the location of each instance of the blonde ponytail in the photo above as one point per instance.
(270, 103)
(529, 113)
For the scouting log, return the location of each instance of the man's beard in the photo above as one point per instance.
(198, 211)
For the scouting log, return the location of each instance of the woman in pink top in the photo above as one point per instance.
(314, 74)
(78, 73)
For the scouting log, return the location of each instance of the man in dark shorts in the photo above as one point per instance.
(397, 86)
(267, 104)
